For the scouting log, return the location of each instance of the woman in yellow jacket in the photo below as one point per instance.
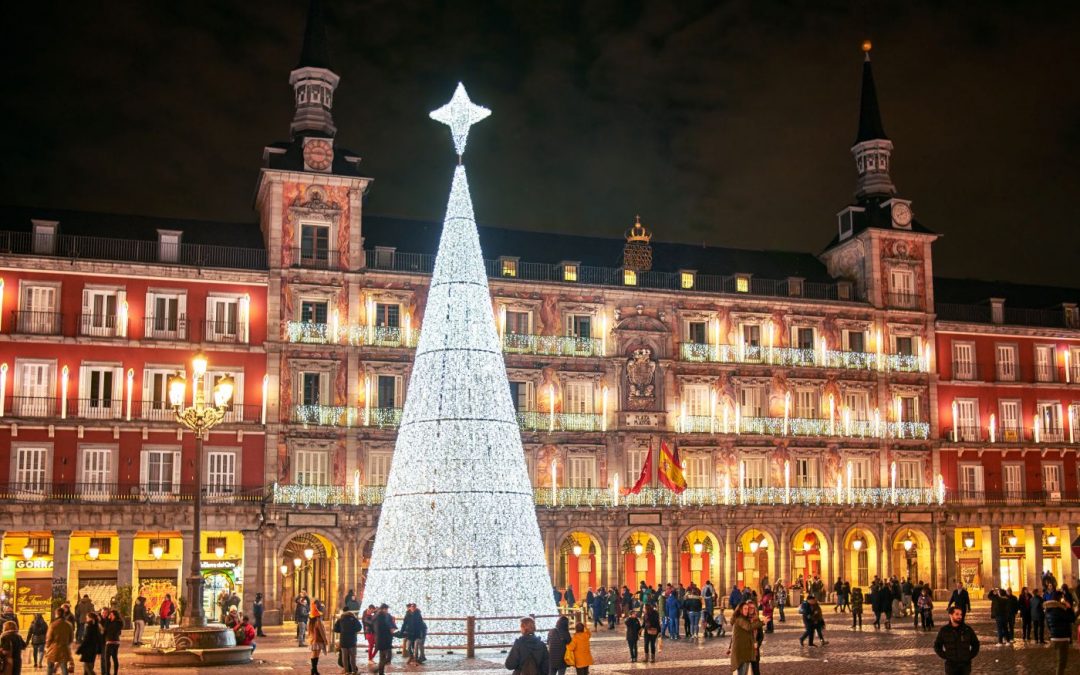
(578, 653)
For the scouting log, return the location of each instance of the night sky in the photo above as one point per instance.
(725, 123)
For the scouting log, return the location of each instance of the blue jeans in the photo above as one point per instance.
(673, 626)
(695, 622)
(1002, 631)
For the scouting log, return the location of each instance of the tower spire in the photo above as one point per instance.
(872, 148)
(314, 80)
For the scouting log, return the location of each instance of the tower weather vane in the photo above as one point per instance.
(460, 114)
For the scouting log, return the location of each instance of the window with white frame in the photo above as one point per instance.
(388, 314)
(166, 314)
(1049, 415)
(858, 405)
(156, 393)
(697, 332)
(1012, 480)
(807, 472)
(378, 467)
(44, 234)
(1074, 421)
(971, 483)
(581, 470)
(312, 467)
(579, 325)
(854, 340)
(807, 403)
(963, 360)
(699, 469)
(635, 460)
(100, 390)
(35, 384)
(101, 311)
(753, 472)
(967, 419)
(696, 398)
(96, 470)
(752, 400)
(902, 285)
(909, 473)
(859, 468)
(579, 398)
(1009, 423)
(225, 319)
(518, 323)
(159, 471)
(1074, 365)
(750, 341)
(30, 468)
(909, 407)
(1051, 480)
(314, 388)
(1044, 363)
(221, 472)
(522, 396)
(39, 308)
(1006, 362)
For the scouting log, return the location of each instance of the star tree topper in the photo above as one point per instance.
(460, 114)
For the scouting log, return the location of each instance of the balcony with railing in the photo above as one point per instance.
(909, 301)
(45, 491)
(101, 325)
(800, 358)
(226, 332)
(307, 332)
(77, 247)
(37, 323)
(547, 421)
(1011, 372)
(110, 408)
(423, 263)
(346, 416)
(315, 258)
(1014, 434)
(165, 327)
(803, 427)
(552, 345)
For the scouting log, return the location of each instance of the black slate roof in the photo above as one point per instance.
(292, 157)
(978, 291)
(870, 127)
(315, 52)
(413, 236)
(874, 215)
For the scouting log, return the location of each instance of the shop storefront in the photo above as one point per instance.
(26, 575)
(157, 557)
(92, 567)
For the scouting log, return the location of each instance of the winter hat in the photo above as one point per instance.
(10, 625)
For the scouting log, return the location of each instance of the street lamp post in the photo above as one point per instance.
(199, 418)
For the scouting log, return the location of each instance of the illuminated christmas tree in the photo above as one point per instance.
(458, 532)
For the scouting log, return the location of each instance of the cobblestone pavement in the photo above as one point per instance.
(900, 650)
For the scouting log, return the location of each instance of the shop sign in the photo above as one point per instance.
(33, 596)
(219, 564)
(34, 564)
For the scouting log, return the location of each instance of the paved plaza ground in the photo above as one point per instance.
(900, 650)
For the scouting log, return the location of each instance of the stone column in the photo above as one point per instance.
(185, 563)
(729, 561)
(992, 541)
(1033, 555)
(125, 569)
(611, 557)
(253, 564)
(1070, 564)
(948, 573)
(838, 554)
(784, 571)
(670, 558)
(885, 549)
(61, 548)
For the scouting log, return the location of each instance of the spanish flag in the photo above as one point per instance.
(670, 470)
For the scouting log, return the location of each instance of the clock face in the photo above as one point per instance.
(318, 155)
(901, 214)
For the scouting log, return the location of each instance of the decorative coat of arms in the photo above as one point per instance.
(641, 374)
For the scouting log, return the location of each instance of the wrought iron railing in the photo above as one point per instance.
(112, 408)
(541, 421)
(803, 358)
(77, 247)
(127, 493)
(165, 327)
(346, 416)
(307, 332)
(795, 426)
(37, 323)
(1015, 316)
(552, 345)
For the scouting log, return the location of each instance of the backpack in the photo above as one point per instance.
(529, 666)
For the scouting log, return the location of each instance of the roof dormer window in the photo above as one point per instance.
(169, 245)
(508, 267)
(44, 236)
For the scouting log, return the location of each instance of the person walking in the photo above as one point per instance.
(744, 646)
(925, 609)
(368, 621)
(651, 625)
(856, 607)
(111, 627)
(529, 654)
(809, 620)
(384, 637)
(83, 607)
(257, 609)
(998, 605)
(767, 609)
(959, 598)
(1059, 620)
(348, 627)
(956, 643)
(12, 646)
(35, 637)
(633, 634)
(90, 647)
(578, 652)
(167, 611)
(58, 641)
(316, 637)
(139, 617)
(416, 632)
(781, 598)
(558, 638)
(1038, 619)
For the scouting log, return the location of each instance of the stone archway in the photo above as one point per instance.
(580, 557)
(700, 557)
(642, 558)
(754, 558)
(309, 563)
(910, 554)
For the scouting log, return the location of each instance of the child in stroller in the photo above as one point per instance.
(712, 627)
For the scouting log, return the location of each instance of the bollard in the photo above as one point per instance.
(470, 637)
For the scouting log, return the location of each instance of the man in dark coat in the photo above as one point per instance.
(528, 649)
(957, 644)
(348, 627)
(384, 637)
(960, 598)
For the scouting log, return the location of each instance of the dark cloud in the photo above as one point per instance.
(727, 123)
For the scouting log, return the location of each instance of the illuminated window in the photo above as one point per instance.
(686, 279)
(629, 278)
(570, 271)
(509, 267)
(742, 284)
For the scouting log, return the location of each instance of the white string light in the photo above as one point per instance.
(458, 532)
